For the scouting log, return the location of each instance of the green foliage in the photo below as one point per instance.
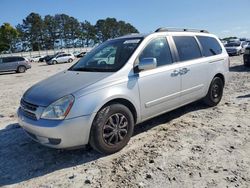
(41, 33)
(228, 38)
(111, 28)
(8, 34)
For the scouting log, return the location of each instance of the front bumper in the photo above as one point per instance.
(66, 133)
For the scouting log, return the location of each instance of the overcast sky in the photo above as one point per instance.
(221, 17)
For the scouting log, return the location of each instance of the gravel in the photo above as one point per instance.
(193, 146)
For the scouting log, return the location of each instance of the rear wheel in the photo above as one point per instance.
(215, 92)
(21, 69)
(111, 129)
(70, 60)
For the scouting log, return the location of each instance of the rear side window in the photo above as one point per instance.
(8, 59)
(210, 46)
(187, 47)
(159, 49)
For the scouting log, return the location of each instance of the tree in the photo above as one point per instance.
(88, 32)
(51, 31)
(111, 28)
(68, 28)
(32, 30)
(8, 35)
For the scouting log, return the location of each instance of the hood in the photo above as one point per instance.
(53, 88)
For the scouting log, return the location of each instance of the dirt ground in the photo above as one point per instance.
(193, 146)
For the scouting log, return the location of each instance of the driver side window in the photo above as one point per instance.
(158, 48)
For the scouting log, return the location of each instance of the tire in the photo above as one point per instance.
(54, 62)
(107, 136)
(215, 92)
(21, 69)
(70, 60)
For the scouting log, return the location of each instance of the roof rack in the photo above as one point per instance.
(163, 29)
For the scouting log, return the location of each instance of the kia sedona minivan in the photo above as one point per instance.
(123, 82)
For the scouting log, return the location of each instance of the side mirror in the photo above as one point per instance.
(147, 64)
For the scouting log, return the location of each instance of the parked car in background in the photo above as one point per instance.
(14, 63)
(47, 58)
(246, 56)
(36, 58)
(244, 44)
(98, 101)
(61, 58)
(82, 54)
(234, 48)
(75, 53)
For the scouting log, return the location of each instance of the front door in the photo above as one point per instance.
(159, 87)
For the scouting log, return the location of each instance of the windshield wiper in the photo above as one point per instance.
(92, 69)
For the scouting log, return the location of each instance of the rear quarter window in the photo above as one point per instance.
(187, 47)
(210, 46)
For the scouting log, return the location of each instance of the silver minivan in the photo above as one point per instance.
(14, 63)
(100, 98)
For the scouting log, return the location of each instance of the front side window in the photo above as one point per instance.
(210, 46)
(109, 56)
(158, 48)
(187, 47)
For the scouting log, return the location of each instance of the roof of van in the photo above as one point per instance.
(166, 30)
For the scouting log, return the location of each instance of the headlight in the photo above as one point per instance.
(58, 110)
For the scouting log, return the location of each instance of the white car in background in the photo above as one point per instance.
(35, 58)
(61, 58)
(234, 48)
(244, 44)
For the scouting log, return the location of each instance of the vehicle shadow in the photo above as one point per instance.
(7, 73)
(22, 159)
(244, 96)
(239, 68)
(169, 116)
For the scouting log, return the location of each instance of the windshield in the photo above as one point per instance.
(232, 44)
(108, 57)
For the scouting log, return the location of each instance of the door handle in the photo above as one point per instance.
(184, 71)
(175, 73)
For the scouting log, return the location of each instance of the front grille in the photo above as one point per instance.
(28, 106)
(29, 114)
(29, 110)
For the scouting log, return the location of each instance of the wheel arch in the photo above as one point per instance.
(124, 102)
(221, 76)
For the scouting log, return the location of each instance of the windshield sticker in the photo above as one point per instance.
(135, 41)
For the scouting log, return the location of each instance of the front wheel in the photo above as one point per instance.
(70, 60)
(215, 92)
(111, 129)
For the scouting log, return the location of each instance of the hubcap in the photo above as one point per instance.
(21, 69)
(216, 91)
(115, 129)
